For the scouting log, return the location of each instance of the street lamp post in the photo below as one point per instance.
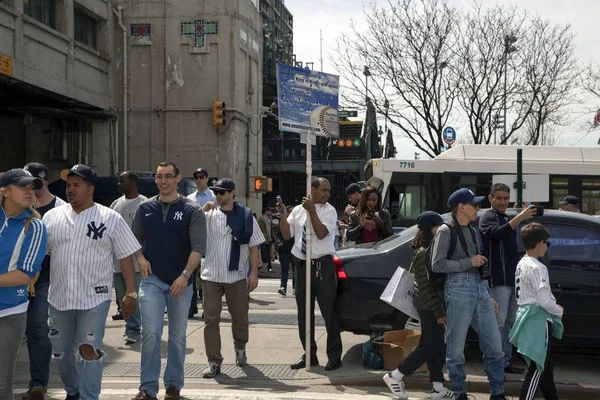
(367, 74)
(509, 41)
(386, 107)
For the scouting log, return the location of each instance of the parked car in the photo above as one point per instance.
(573, 261)
(106, 188)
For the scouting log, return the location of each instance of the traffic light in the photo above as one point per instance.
(262, 184)
(218, 110)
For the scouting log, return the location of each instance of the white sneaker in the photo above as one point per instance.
(444, 394)
(397, 387)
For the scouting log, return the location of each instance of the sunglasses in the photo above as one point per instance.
(198, 177)
(547, 243)
(221, 192)
(474, 205)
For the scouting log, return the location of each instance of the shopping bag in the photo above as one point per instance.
(400, 291)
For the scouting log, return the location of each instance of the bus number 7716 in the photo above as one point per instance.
(407, 164)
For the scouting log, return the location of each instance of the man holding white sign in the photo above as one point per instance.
(323, 283)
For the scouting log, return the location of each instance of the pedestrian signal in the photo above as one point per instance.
(262, 184)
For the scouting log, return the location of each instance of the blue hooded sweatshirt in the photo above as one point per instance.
(21, 251)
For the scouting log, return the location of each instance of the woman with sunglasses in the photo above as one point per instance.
(23, 242)
(429, 302)
(369, 222)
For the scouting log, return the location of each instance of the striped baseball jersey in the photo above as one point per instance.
(216, 264)
(127, 208)
(532, 285)
(83, 247)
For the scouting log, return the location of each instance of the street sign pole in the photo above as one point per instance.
(308, 341)
(519, 178)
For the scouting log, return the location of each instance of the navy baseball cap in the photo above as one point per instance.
(201, 171)
(20, 177)
(353, 188)
(224, 184)
(80, 170)
(38, 170)
(429, 219)
(570, 200)
(463, 196)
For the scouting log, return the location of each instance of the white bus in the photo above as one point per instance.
(410, 187)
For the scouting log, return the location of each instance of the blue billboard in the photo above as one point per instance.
(308, 101)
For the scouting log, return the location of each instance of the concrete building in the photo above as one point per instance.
(55, 82)
(128, 84)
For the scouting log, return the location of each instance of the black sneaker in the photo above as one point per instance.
(118, 316)
(462, 396)
(498, 397)
(73, 397)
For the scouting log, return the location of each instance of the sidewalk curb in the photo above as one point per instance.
(571, 391)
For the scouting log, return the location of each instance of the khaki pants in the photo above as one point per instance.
(237, 297)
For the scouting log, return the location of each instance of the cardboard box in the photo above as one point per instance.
(397, 345)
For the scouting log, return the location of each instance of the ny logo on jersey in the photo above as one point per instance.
(178, 216)
(96, 231)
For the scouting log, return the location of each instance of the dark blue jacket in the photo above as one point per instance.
(499, 246)
(168, 233)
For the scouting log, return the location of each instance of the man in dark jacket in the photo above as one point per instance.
(499, 246)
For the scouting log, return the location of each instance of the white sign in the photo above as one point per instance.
(536, 187)
(313, 139)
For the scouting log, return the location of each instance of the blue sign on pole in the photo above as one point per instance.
(449, 135)
(308, 101)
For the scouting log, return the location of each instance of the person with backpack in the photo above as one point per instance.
(467, 295)
(429, 302)
(22, 249)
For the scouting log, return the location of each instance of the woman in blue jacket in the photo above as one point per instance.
(23, 243)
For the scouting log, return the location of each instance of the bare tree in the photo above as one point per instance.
(551, 75)
(591, 85)
(404, 51)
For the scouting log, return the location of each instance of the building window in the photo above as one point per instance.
(43, 11)
(85, 28)
(141, 30)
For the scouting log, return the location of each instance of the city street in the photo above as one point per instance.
(273, 345)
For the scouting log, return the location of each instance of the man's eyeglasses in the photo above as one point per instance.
(547, 243)
(221, 192)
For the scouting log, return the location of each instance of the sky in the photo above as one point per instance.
(333, 18)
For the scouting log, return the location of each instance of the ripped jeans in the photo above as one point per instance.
(82, 330)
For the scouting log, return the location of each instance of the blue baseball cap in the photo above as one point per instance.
(224, 184)
(463, 196)
(20, 177)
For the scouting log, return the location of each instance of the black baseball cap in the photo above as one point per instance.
(80, 170)
(224, 184)
(429, 219)
(353, 188)
(574, 200)
(20, 177)
(201, 171)
(38, 170)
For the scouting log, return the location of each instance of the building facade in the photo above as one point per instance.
(127, 84)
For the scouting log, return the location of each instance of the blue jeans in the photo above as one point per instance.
(79, 327)
(132, 324)
(154, 296)
(285, 259)
(468, 301)
(38, 343)
(507, 314)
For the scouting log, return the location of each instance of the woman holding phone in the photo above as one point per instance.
(369, 222)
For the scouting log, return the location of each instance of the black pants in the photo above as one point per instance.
(265, 254)
(324, 289)
(430, 349)
(535, 378)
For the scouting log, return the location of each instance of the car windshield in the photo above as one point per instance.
(397, 239)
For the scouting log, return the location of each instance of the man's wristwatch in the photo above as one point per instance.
(186, 273)
(133, 295)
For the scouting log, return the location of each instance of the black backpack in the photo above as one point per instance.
(455, 236)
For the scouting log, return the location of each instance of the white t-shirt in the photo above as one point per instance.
(532, 285)
(319, 247)
(83, 248)
(127, 208)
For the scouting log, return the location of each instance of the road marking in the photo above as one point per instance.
(234, 394)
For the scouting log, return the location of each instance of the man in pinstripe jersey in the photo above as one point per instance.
(84, 238)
